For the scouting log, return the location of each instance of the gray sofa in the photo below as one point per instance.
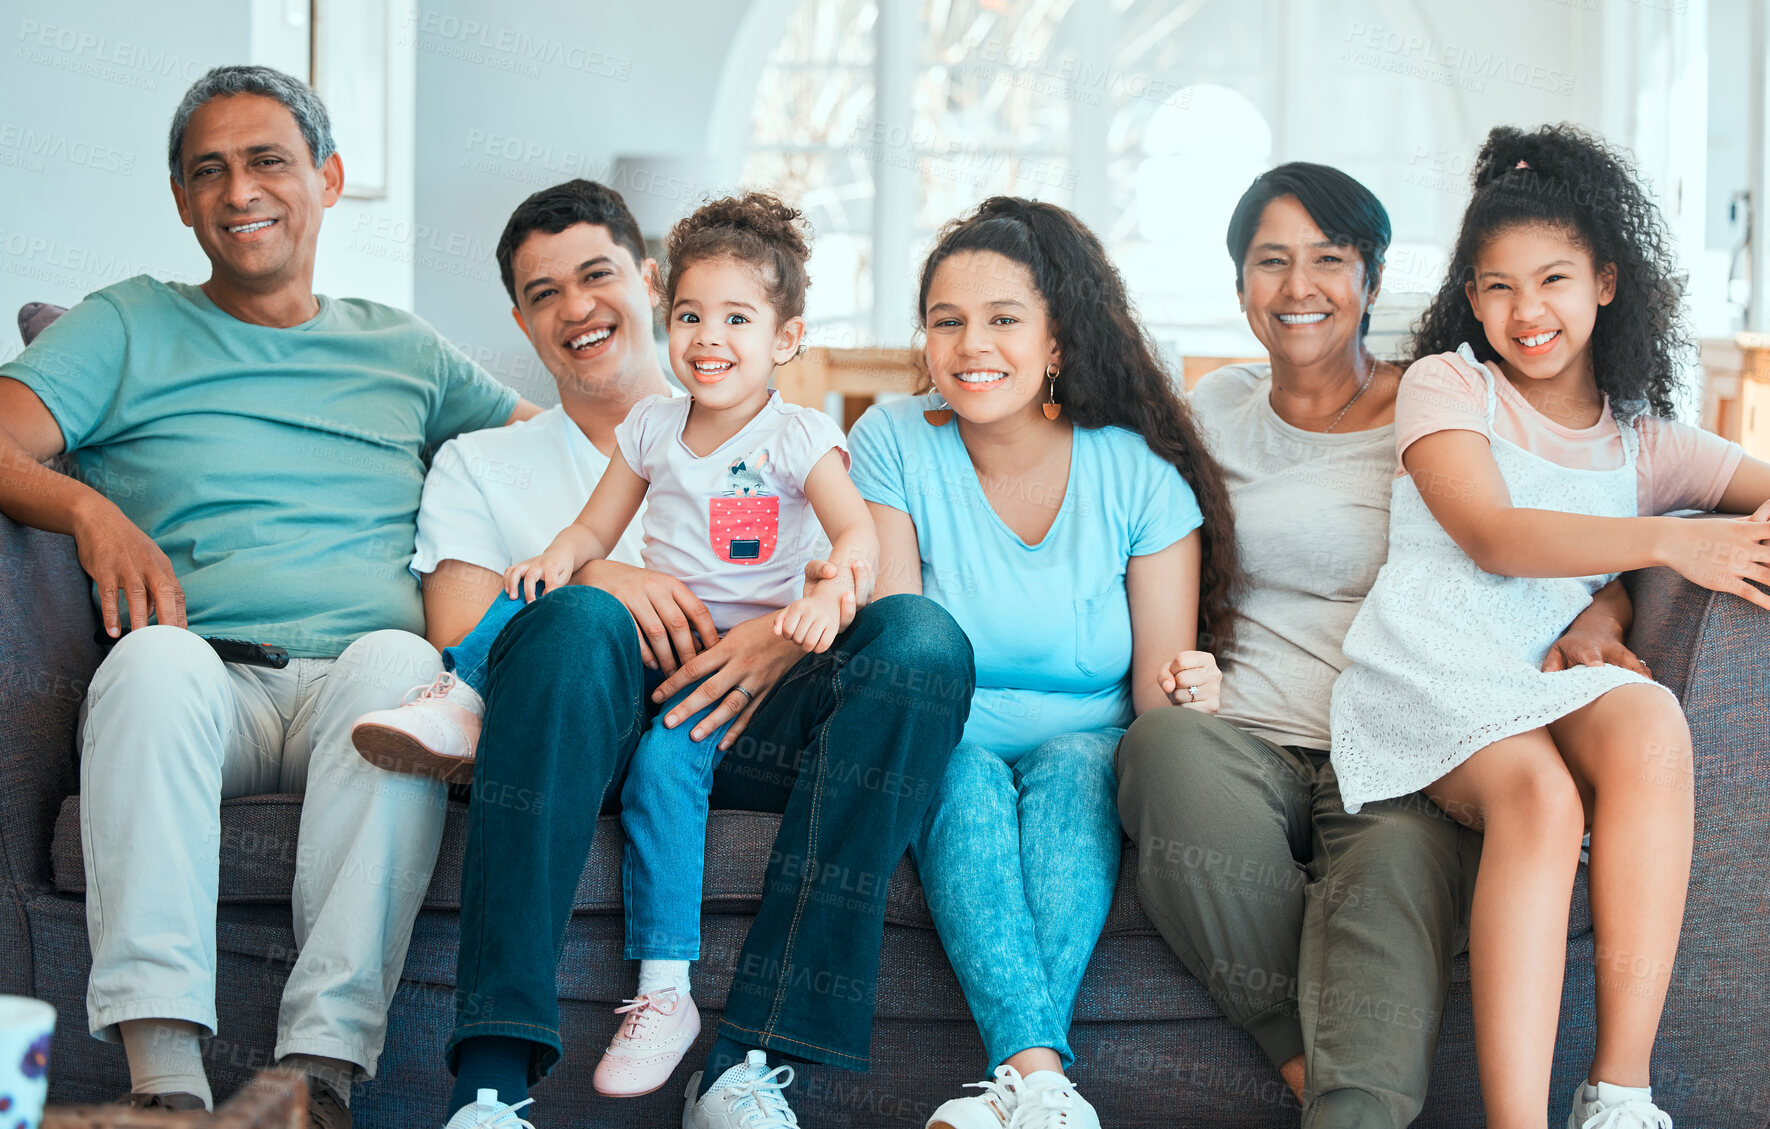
(1153, 1049)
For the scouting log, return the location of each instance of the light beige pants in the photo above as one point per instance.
(167, 732)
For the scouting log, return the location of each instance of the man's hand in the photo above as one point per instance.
(667, 615)
(120, 557)
(750, 656)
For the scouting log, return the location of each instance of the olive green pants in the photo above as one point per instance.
(1317, 932)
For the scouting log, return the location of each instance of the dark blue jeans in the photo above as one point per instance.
(849, 747)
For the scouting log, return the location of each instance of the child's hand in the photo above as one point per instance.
(1724, 556)
(552, 568)
(811, 621)
(856, 594)
(1193, 680)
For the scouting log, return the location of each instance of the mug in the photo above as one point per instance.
(25, 1027)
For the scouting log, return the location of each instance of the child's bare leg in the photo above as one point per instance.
(1520, 794)
(1630, 753)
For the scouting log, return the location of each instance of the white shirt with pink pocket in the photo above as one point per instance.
(734, 525)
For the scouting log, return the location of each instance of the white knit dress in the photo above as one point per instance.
(1445, 658)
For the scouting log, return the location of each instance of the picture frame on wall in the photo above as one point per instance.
(350, 59)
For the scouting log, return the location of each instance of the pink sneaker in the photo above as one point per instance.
(433, 734)
(657, 1032)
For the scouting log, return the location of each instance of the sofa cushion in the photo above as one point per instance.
(258, 835)
(34, 317)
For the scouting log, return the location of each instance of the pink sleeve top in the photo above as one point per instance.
(1680, 467)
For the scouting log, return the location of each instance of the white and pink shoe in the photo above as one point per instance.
(658, 1030)
(432, 734)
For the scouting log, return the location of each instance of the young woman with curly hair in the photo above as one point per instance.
(1054, 495)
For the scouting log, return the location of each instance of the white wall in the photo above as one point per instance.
(354, 256)
(86, 95)
(515, 98)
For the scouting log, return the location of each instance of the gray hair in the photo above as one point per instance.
(305, 106)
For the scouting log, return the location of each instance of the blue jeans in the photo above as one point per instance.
(849, 747)
(663, 805)
(1019, 862)
(664, 820)
(469, 658)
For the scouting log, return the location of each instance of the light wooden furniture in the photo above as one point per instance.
(860, 375)
(276, 1099)
(1736, 391)
(1194, 368)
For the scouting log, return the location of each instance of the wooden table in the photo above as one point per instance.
(276, 1099)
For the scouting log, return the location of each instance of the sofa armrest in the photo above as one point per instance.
(47, 657)
(1713, 651)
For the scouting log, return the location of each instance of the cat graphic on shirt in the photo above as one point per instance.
(744, 479)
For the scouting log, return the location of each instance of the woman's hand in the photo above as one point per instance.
(1595, 637)
(552, 568)
(739, 670)
(1724, 555)
(1193, 680)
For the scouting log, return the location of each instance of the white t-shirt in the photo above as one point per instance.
(498, 496)
(734, 525)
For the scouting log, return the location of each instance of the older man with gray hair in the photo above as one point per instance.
(272, 441)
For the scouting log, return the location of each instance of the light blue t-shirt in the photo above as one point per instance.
(1049, 624)
(278, 469)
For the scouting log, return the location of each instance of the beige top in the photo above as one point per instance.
(1311, 529)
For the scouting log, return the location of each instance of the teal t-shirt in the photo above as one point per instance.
(1049, 624)
(279, 469)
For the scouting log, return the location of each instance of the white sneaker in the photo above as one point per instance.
(748, 1096)
(487, 1112)
(991, 1109)
(1049, 1101)
(1616, 1107)
(434, 732)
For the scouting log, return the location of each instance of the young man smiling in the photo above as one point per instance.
(277, 438)
(583, 292)
(813, 736)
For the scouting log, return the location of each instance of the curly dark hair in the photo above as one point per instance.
(1111, 376)
(757, 229)
(1561, 175)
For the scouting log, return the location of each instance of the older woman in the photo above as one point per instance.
(1326, 936)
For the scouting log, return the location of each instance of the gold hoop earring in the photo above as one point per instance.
(940, 415)
(1051, 407)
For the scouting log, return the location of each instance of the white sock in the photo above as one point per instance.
(656, 975)
(165, 1057)
(1612, 1095)
(335, 1073)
